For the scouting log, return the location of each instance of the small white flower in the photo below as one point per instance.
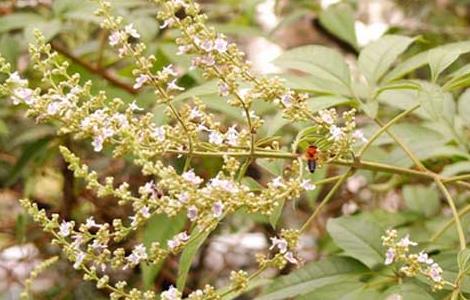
(405, 242)
(108, 132)
(23, 95)
(65, 229)
(169, 71)
(115, 38)
(224, 184)
(307, 185)
(140, 81)
(16, 79)
(183, 49)
(192, 213)
(171, 294)
(130, 30)
(220, 45)
(183, 236)
(224, 89)
(207, 45)
(183, 197)
(202, 128)
(159, 133)
(232, 136)
(277, 182)
(145, 212)
(435, 272)
(218, 209)
(336, 132)
(216, 138)
(79, 260)
(424, 258)
(281, 244)
(389, 256)
(289, 256)
(326, 117)
(287, 100)
(134, 107)
(138, 254)
(191, 177)
(90, 223)
(148, 188)
(167, 23)
(195, 113)
(53, 108)
(172, 86)
(98, 143)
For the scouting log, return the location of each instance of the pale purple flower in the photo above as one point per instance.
(79, 259)
(281, 244)
(424, 258)
(336, 132)
(287, 100)
(389, 256)
(192, 213)
(191, 177)
(171, 294)
(90, 223)
(207, 60)
(359, 135)
(25, 95)
(53, 108)
(326, 117)
(169, 71)
(435, 272)
(183, 197)
(220, 45)
(16, 79)
(167, 23)
(218, 209)
(183, 49)
(224, 89)
(65, 229)
(277, 182)
(145, 212)
(140, 81)
(97, 143)
(216, 138)
(207, 45)
(232, 136)
(159, 133)
(138, 254)
(195, 113)
(202, 128)
(405, 242)
(224, 184)
(115, 38)
(130, 30)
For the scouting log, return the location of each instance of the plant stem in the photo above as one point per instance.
(385, 128)
(451, 202)
(327, 198)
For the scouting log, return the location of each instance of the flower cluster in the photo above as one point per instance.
(412, 264)
(125, 128)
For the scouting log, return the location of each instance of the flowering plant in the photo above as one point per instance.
(169, 149)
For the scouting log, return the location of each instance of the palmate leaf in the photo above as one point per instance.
(378, 56)
(339, 20)
(325, 65)
(422, 200)
(359, 238)
(315, 275)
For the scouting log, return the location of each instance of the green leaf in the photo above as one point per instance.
(48, 28)
(378, 56)
(458, 79)
(339, 20)
(313, 276)
(409, 291)
(326, 66)
(464, 106)
(19, 21)
(463, 260)
(456, 168)
(436, 102)
(160, 228)
(360, 239)
(334, 291)
(187, 257)
(440, 59)
(316, 104)
(277, 213)
(422, 59)
(421, 199)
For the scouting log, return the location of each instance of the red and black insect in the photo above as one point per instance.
(311, 154)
